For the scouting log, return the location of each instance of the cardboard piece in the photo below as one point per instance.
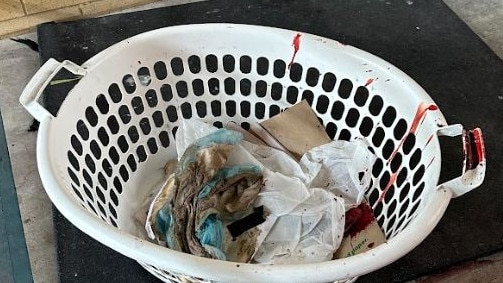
(362, 232)
(297, 129)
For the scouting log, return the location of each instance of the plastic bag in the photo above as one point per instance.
(341, 167)
(305, 220)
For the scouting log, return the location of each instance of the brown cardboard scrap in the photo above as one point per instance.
(297, 129)
(361, 235)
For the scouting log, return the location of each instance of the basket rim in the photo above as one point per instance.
(150, 253)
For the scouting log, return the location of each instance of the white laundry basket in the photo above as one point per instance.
(105, 150)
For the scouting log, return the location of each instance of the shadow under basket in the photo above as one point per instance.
(104, 151)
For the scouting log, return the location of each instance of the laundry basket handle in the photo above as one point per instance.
(36, 86)
(474, 164)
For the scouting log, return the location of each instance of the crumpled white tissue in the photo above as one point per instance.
(341, 167)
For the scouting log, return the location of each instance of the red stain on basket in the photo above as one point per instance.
(473, 147)
(369, 81)
(296, 48)
(431, 161)
(359, 218)
(428, 141)
(421, 112)
(391, 181)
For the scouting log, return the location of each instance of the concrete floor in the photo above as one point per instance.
(19, 64)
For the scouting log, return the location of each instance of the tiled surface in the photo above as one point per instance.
(10, 9)
(19, 63)
(27, 23)
(37, 6)
(20, 16)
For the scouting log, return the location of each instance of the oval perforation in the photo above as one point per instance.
(103, 136)
(361, 96)
(229, 63)
(167, 92)
(295, 72)
(261, 88)
(90, 163)
(102, 104)
(262, 66)
(73, 161)
(214, 86)
(124, 114)
(144, 76)
(151, 97)
(230, 86)
(115, 93)
(308, 96)
(82, 130)
(160, 70)
(76, 144)
(279, 69)
(329, 81)
(276, 91)
(186, 110)
(177, 66)
(211, 63)
(292, 94)
(129, 84)
(164, 139)
(194, 64)
(352, 117)
(201, 109)
(345, 88)
(245, 87)
(312, 77)
(113, 124)
(107, 167)
(137, 105)
(245, 64)
(182, 89)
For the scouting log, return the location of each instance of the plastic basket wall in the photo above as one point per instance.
(116, 129)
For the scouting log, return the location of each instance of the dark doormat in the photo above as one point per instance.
(423, 38)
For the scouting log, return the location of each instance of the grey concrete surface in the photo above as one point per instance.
(485, 18)
(19, 64)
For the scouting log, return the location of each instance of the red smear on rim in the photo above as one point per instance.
(391, 181)
(421, 111)
(428, 141)
(296, 48)
(357, 219)
(474, 149)
(431, 161)
(369, 81)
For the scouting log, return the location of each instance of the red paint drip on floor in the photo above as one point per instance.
(391, 181)
(296, 48)
(421, 111)
(358, 218)
(369, 81)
